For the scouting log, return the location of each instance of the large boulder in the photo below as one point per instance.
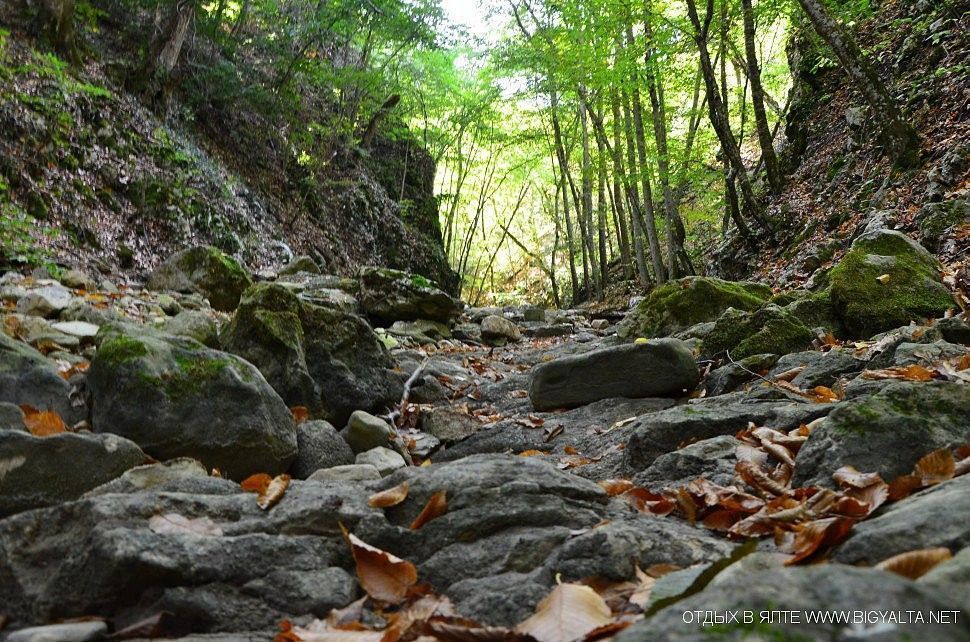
(660, 368)
(328, 360)
(886, 433)
(27, 377)
(677, 305)
(884, 281)
(42, 471)
(388, 295)
(176, 398)
(205, 270)
(497, 330)
(770, 330)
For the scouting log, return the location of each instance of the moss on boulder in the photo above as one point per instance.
(176, 398)
(205, 270)
(885, 281)
(770, 330)
(328, 360)
(677, 305)
(388, 295)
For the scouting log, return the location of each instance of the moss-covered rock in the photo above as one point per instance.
(328, 360)
(176, 398)
(769, 330)
(886, 433)
(815, 310)
(677, 305)
(205, 270)
(388, 295)
(885, 281)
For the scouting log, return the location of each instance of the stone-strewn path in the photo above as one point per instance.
(558, 446)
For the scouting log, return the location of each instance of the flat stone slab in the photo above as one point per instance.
(659, 368)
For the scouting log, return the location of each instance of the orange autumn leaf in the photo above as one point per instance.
(273, 492)
(42, 423)
(436, 507)
(904, 486)
(614, 487)
(300, 414)
(389, 497)
(938, 466)
(915, 564)
(70, 370)
(256, 483)
(383, 576)
(812, 537)
(825, 395)
(531, 453)
(914, 372)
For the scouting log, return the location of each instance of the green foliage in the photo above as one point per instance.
(17, 228)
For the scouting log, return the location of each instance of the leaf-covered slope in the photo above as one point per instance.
(91, 175)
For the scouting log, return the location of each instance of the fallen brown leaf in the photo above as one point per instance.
(436, 507)
(390, 497)
(383, 576)
(568, 613)
(915, 564)
(42, 423)
(274, 492)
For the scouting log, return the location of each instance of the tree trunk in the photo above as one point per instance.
(617, 187)
(898, 137)
(718, 112)
(677, 259)
(587, 180)
(636, 215)
(59, 16)
(154, 78)
(601, 206)
(561, 157)
(765, 139)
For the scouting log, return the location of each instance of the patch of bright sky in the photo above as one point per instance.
(473, 14)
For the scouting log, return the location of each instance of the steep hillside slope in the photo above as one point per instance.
(92, 173)
(838, 181)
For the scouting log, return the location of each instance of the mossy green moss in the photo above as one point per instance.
(886, 281)
(120, 349)
(770, 330)
(677, 305)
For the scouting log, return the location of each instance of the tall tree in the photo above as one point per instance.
(718, 113)
(765, 138)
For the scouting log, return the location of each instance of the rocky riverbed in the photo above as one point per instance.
(317, 458)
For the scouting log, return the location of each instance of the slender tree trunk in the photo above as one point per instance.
(618, 188)
(660, 270)
(587, 179)
(677, 259)
(718, 112)
(636, 212)
(163, 54)
(561, 157)
(59, 16)
(897, 136)
(601, 206)
(765, 139)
